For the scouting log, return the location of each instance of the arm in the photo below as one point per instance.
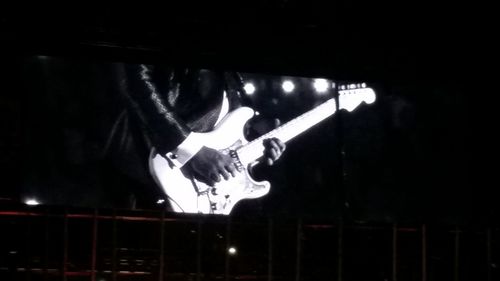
(168, 133)
(166, 130)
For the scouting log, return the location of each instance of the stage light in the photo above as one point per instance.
(288, 86)
(232, 251)
(321, 85)
(249, 88)
(32, 202)
(160, 201)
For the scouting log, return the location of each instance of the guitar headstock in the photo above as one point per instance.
(352, 95)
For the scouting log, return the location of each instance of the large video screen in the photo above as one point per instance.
(107, 134)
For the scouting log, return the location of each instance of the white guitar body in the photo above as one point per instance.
(189, 195)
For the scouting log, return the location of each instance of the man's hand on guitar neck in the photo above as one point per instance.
(210, 166)
(273, 150)
(273, 147)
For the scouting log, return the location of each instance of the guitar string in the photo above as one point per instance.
(257, 143)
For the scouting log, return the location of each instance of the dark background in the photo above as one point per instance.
(405, 157)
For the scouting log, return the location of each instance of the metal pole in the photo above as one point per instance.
(340, 250)
(162, 245)
(198, 252)
(65, 246)
(113, 246)
(457, 253)
(395, 252)
(488, 252)
(228, 244)
(94, 247)
(299, 249)
(46, 248)
(424, 252)
(270, 250)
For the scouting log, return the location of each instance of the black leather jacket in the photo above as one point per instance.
(170, 103)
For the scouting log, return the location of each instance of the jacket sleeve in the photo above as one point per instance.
(164, 128)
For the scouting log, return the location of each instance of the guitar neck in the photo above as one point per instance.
(255, 149)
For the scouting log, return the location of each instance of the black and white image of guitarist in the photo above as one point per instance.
(173, 108)
(196, 122)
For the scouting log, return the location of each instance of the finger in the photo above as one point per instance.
(210, 182)
(214, 176)
(224, 173)
(279, 147)
(274, 144)
(277, 122)
(231, 169)
(268, 145)
(265, 142)
(273, 154)
(227, 160)
(269, 161)
(281, 144)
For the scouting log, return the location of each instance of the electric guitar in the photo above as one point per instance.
(188, 195)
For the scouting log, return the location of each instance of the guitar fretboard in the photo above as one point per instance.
(255, 149)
